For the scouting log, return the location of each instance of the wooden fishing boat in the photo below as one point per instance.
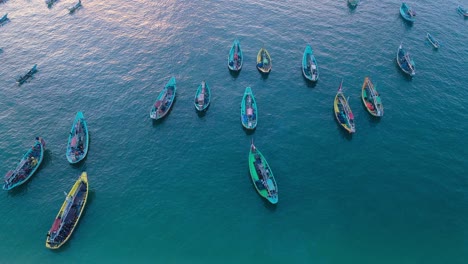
(27, 166)
(462, 11)
(69, 214)
(73, 8)
(435, 43)
(78, 140)
(202, 97)
(4, 18)
(309, 65)
(29, 74)
(353, 3)
(235, 58)
(343, 112)
(249, 110)
(371, 98)
(264, 61)
(262, 175)
(164, 101)
(406, 64)
(407, 12)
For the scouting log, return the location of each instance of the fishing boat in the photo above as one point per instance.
(462, 11)
(264, 61)
(407, 12)
(26, 167)
(4, 18)
(202, 97)
(75, 7)
(29, 74)
(371, 98)
(249, 110)
(309, 65)
(164, 101)
(353, 3)
(235, 58)
(262, 176)
(406, 64)
(435, 43)
(69, 214)
(343, 112)
(78, 140)
(50, 3)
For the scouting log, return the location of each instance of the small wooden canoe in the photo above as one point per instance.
(27, 166)
(78, 140)
(235, 58)
(407, 12)
(4, 18)
(262, 175)
(249, 117)
(73, 8)
(406, 64)
(264, 61)
(202, 97)
(343, 112)
(309, 65)
(69, 214)
(371, 98)
(435, 43)
(164, 101)
(28, 75)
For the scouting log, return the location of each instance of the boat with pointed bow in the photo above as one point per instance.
(249, 110)
(262, 175)
(343, 113)
(164, 101)
(78, 139)
(309, 65)
(371, 98)
(202, 97)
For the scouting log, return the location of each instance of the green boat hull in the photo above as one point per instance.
(262, 176)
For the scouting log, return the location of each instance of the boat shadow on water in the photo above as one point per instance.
(201, 113)
(234, 74)
(264, 75)
(309, 83)
(248, 131)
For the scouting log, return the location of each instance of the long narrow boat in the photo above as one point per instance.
(371, 98)
(343, 112)
(264, 61)
(249, 110)
(69, 214)
(202, 97)
(27, 166)
(435, 43)
(4, 18)
(73, 8)
(28, 75)
(462, 11)
(164, 101)
(235, 58)
(78, 140)
(50, 3)
(353, 3)
(406, 64)
(262, 176)
(407, 12)
(309, 65)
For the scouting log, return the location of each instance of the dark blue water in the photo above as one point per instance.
(178, 191)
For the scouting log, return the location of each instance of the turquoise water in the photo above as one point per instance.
(178, 191)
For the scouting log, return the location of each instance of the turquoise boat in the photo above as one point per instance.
(407, 12)
(164, 101)
(78, 140)
(29, 74)
(73, 8)
(4, 18)
(353, 3)
(202, 97)
(462, 11)
(406, 64)
(235, 58)
(262, 176)
(249, 110)
(435, 43)
(309, 65)
(27, 166)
